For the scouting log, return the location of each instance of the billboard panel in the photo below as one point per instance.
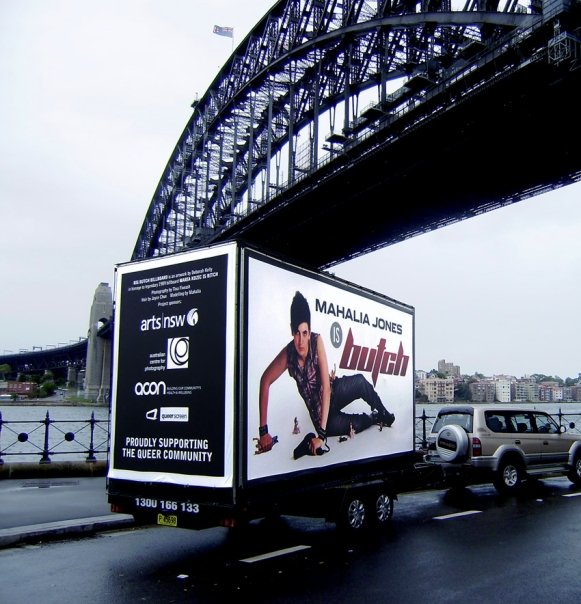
(173, 369)
(363, 342)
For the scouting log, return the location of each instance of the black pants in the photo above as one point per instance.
(345, 390)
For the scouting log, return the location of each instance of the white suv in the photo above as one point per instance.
(502, 445)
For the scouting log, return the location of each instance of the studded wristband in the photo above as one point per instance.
(263, 430)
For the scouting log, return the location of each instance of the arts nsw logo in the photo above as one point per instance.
(161, 321)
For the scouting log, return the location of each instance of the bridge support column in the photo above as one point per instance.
(97, 377)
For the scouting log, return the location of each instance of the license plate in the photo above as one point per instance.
(167, 520)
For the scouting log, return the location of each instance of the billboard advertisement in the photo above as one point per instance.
(324, 359)
(173, 369)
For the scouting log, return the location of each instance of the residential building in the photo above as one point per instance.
(438, 390)
(483, 391)
(502, 391)
(449, 369)
(525, 390)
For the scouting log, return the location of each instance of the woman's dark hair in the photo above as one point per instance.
(299, 312)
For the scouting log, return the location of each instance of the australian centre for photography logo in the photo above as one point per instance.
(178, 352)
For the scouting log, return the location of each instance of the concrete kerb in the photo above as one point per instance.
(63, 528)
(53, 469)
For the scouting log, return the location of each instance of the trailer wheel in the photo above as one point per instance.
(382, 511)
(353, 514)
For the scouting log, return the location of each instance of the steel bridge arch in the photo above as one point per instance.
(257, 130)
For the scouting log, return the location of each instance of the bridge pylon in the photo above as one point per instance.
(97, 376)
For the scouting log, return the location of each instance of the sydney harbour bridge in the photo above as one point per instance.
(338, 127)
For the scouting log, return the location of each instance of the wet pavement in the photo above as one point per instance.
(42, 508)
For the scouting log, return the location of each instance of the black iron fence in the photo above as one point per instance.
(86, 439)
(48, 437)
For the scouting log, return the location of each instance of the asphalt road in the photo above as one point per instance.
(41, 508)
(442, 546)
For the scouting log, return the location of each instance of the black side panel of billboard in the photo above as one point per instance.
(172, 417)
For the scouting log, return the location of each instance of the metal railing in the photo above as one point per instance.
(48, 437)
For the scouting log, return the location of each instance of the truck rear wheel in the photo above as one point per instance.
(353, 514)
(382, 510)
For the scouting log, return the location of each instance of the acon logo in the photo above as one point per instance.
(149, 388)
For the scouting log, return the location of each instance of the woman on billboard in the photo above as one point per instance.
(324, 394)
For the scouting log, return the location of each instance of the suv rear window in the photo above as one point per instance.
(460, 419)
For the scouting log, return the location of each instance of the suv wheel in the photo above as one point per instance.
(574, 474)
(508, 477)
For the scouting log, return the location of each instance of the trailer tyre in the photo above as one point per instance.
(353, 515)
(382, 510)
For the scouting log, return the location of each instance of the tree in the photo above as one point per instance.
(462, 391)
(438, 374)
(47, 388)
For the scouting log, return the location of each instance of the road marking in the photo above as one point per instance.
(572, 495)
(280, 552)
(457, 514)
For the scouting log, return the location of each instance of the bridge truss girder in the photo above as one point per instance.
(287, 112)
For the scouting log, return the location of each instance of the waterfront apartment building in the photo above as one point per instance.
(551, 392)
(438, 390)
(483, 391)
(525, 390)
(502, 388)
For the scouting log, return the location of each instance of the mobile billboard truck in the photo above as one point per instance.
(245, 386)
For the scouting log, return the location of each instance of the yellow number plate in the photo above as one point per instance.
(167, 520)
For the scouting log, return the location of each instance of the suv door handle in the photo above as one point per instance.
(517, 442)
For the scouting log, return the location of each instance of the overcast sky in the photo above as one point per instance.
(94, 97)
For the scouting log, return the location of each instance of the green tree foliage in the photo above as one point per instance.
(47, 388)
(462, 391)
